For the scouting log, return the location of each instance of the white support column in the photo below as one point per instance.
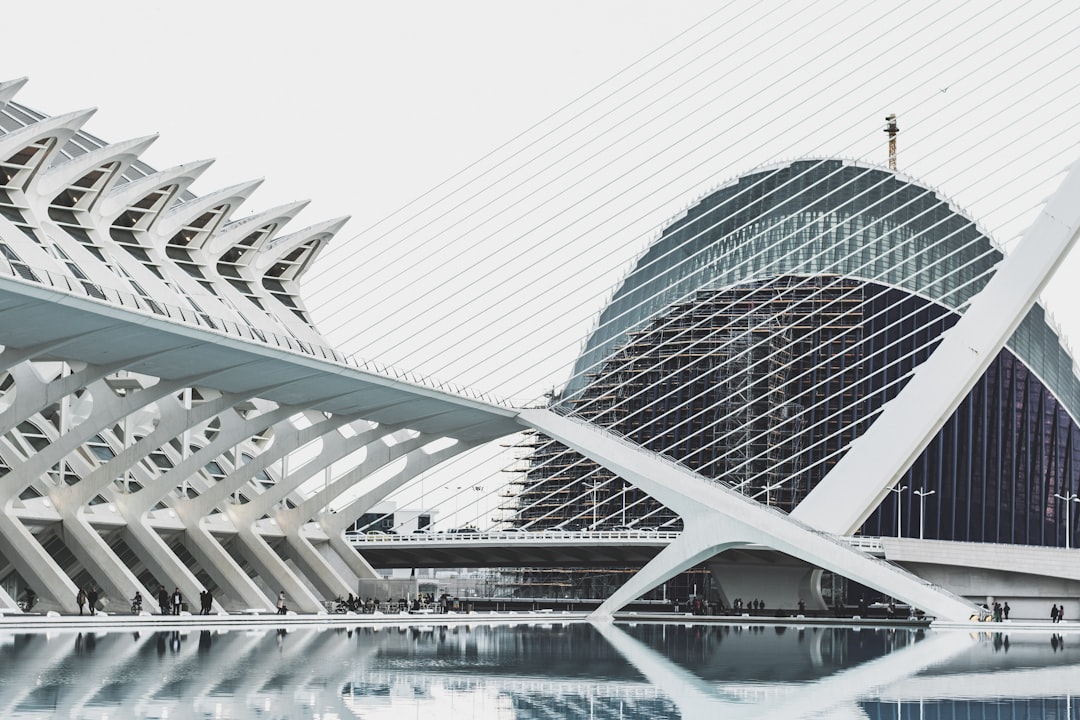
(876, 461)
(698, 542)
(226, 572)
(272, 569)
(169, 571)
(115, 580)
(315, 568)
(35, 565)
(715, 516)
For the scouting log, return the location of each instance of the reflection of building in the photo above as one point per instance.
(761, 334)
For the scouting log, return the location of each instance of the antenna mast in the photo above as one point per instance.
(893, 131)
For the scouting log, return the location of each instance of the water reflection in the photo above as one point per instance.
(551, 671)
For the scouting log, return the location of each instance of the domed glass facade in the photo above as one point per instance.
(763, 332)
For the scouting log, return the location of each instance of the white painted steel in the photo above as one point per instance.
(716, 518)
(876, 460)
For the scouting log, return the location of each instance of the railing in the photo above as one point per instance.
(859, 542)
(130, 301)
(864, 543)
(504, 536)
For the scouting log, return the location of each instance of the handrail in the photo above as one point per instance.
(513, 536)
(130, 301)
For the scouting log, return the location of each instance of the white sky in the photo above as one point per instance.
(363, 107)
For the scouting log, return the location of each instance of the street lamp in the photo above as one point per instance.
(922, 509)
(1068, 497)
(593, 486)
(898, 490)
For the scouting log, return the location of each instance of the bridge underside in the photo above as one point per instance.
(506, 556)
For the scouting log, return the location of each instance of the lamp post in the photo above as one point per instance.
(898, 490)
(622, 523)
(922, 509)
(1068, 497)
(592, 487)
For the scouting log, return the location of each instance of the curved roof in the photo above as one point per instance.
(821, 216)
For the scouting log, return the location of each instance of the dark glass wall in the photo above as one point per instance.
(764, 385)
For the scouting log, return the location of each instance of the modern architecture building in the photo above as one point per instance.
(159, 372)
(763, 332)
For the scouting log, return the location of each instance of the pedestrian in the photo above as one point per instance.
(1053, 613)
(1061, 616)
(1005, 609)
(91, 598)
(177, 601)
(80, 598)
(163, 599)
(281, 603)
(208, 603)
(202, 602)
(997, 611)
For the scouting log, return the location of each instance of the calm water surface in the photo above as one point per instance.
(551, 671)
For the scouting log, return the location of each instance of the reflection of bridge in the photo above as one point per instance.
(654, 670)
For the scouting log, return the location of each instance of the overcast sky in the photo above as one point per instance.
(364, 107)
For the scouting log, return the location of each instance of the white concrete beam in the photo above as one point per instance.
(714, 516)
(876, 460)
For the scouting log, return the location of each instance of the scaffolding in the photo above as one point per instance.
(749, 385)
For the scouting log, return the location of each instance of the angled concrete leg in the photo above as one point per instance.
(159, 558)
(7, 602)
(273, 570)
(349, 555)
(226, 572)
(315, 567)
(700, 540)
(715, 515)
(114, 578)
(35, 565)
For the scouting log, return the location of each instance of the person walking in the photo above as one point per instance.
(91, 598)
(1053, 613)
(177, 601)
(80, 598)
(163, 599)
(281, 608)
(1005, 609)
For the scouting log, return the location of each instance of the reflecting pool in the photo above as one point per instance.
(573, 670)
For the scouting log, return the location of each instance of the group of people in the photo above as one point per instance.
(369, 605)
(1057, 613)
(754, 605)
(87, 596)
(170, 604)
(999, 612)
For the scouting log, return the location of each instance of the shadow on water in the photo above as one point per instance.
(533, 671)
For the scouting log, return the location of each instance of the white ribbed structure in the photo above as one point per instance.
(127, 465)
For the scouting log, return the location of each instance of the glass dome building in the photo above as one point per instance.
(762, 332)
